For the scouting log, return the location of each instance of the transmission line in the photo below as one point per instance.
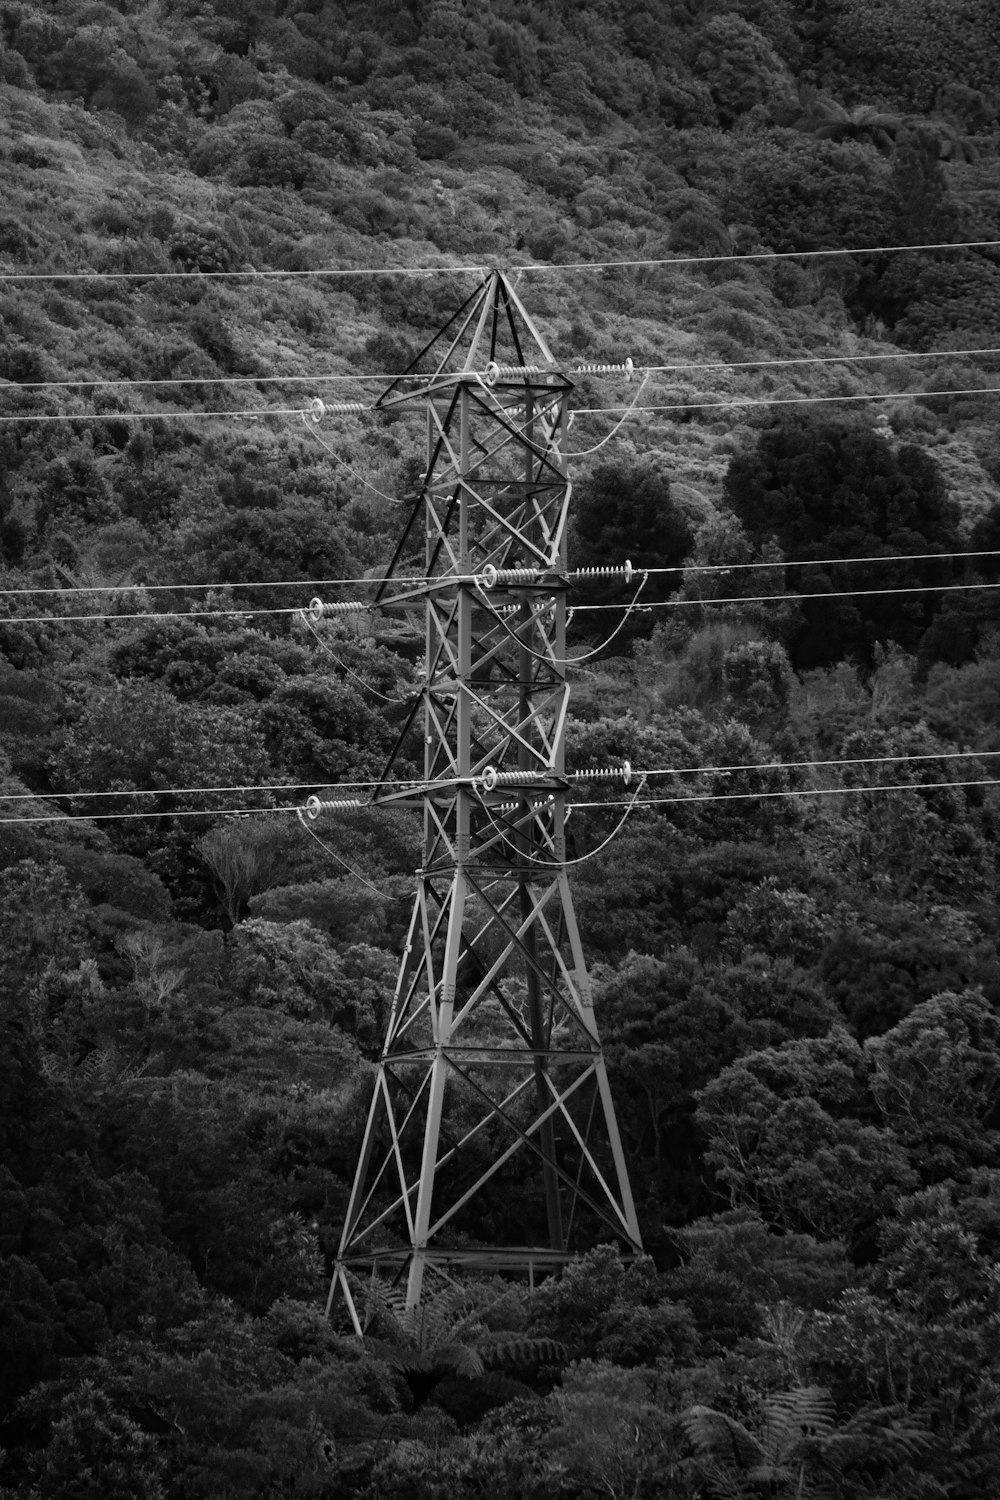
(193, 614)
(261, 412)
(252, 611)
(158, 416)
(315, 583)
(891, 758)
(550, 269)
(220, 812)
(785, 362)
(754, 255)
(819, 791)
(245, 275)
(162, 588)
(748, 401)
(935, 588)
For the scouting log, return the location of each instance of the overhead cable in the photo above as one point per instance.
(586, 452)
(314, 583)
(122, 383)
(736, 402)
(552, 269)
(340, 861)
(368, 687)
(923, 588)
(179, 791)
(244, 275)
(812, 359)
(819, 791)
(821, 562)
(891, 758)
(562, 864)
(753, 255)
(359, 478)
(728, 403)
(251, 611)
(255, 413)
(757, 796)
(162, 588)
(179, 812)
(191, 614)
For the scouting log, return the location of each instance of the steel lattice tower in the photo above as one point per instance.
(492, 1050)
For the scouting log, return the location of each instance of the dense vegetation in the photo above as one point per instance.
(800, 994)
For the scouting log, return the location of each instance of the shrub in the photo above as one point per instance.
(931, 303)
(912, 48)
(803, 194)
(740, 67)
(272, 162)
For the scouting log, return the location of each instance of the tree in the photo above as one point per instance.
(787, 1136)
(98, 1453)
(936, 1080)
(625, 511)
(921, 1335)
(836, 489)
(135, 735)
(610, 1435)
(243, 857)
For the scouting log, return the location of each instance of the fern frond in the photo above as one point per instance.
(458, 1359)
(721, 1439)
(882, 1432)
(400, 1357)
(526, 1354)
(794, 1418)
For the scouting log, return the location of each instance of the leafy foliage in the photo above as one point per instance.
(794, 949)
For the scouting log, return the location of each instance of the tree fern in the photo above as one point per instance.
(800, 1447)
(526, 1354)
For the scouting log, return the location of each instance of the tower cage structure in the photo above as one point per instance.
(492, 1060)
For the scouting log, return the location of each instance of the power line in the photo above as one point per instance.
(358, 478)
(368, 687)
(936, 588)
(192, 614)
(802, 765)
(171, 380)
(823, 791)
(254, 610)
(340, 861)
(182, 791)
(755, 255)
(757, 796)
(900, 758)
(143, 416)
(197, 812)
(323, 583)
(818, 562)
(740, 401)
(814, 359)
(251, 275)
(162, 588)
(551, 269)
(123, 383)
(582, 859)
(261, 412)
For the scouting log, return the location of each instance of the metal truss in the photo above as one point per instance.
(492, 1053)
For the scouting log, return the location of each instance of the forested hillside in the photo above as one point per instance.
(215, 212)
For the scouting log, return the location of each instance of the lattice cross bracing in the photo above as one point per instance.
(492, 1059)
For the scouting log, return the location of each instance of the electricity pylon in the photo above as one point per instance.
(492, 1052)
